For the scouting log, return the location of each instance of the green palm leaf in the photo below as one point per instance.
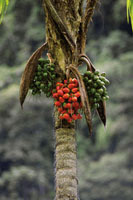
(130, 11)
(3, 7)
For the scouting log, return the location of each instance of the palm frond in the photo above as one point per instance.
(130, 11)
(3, 8)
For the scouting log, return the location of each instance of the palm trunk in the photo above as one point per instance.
(66, 168)
(62, 55)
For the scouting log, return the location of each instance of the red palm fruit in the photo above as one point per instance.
(71, 85)
(60, 109)
(65, 81)
(70, 111)
(79, 116)
(71, 94)
(69, 120)
(77, 94)
(75, 105)
(74, 90)
(64, 105)
(74, 116)
(66, 96)
(61, 116)
(74, 99)
(64, 111)
(70, 80)
(57, 103)
(66, 90)
(61, 85)
(58, 83)
(70, 99)
(66, 116)
(68, 105)
(60, 92)
(75, 81)
(57, 87)
(55, 95)
(61, 99)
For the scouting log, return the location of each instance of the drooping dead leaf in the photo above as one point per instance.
(102, 112)
(29, 72)
(84, 58)
(84, 98)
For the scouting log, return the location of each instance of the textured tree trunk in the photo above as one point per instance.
(62, 55)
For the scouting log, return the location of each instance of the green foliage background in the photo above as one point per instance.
(105, 162)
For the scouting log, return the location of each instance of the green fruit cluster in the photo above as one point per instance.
(95, 84)
(44, 79)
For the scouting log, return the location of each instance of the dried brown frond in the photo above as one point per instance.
(102, 111)
(84, 98)
(89, 11)
(28, 74)
(87, 17)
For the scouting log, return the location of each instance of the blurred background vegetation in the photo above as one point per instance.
(105, 162)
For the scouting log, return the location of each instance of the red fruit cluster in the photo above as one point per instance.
(67, 100)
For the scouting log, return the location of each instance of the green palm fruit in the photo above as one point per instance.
(107, 81)
(92, 75)
(100, 91)
(52, 65)
(39, 68)
(52, 69)
(102, 78)
(96, 105)
(89, 82)
(104, 88)
(95, 85)
(36, 78)
(37, 83)
(102, 83)
(105, 93)
(103, 74)
(97, 72)
(42, 86)
(45, 74)
(99, 82)
(95, 78)
(95, 100)
(48, 67)
(97, 95)
(53, 76)
(107, 97)
(46, 61)
(104, 98)
(41, 60)
(93, 90)
(49, 84)
(39, 73)
(88, 73)
(85, 79)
